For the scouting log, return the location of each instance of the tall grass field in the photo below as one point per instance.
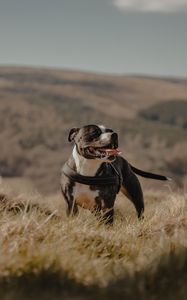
(46, 255)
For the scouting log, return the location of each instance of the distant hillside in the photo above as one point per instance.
(39, 106)
(172, 112)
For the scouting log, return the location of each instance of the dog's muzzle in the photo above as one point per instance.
(101, 152)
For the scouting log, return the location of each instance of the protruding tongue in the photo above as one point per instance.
(111, 152)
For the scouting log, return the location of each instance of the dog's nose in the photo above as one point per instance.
(114, 139)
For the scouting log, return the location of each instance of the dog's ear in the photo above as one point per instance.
(72, 134)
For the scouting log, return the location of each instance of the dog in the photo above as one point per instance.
(96, 172)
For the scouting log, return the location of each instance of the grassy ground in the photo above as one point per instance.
(45, 255)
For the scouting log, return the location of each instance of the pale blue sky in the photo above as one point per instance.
(94, 35)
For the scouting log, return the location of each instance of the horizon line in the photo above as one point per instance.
(93, 72)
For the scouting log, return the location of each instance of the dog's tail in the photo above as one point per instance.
(149, 175)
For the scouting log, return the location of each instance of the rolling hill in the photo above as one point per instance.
(39, 106)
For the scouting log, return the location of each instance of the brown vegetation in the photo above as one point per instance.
(45, 255)
(38, 107)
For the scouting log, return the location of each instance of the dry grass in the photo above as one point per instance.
(43, 254)
(133, 258)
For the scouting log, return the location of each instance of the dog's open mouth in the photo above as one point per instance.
(102, 152)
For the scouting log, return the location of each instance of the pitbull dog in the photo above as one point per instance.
(96, 172)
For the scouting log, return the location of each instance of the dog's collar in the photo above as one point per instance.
(93, 180)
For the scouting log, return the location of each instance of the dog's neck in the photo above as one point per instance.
(86, 167)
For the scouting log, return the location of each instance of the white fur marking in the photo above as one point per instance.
(105, 137)
(86, 167)
(82, 193)
(102, 127)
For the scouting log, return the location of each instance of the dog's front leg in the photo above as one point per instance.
(108, 216)
(67, 191)
(104, 210)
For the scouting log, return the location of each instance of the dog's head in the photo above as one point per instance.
(95, 141)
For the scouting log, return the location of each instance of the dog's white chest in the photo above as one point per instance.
(84, 197)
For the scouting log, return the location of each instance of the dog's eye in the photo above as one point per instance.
(108, 130)
(97, 133)
(93, 134)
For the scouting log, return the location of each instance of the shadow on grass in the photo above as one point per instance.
(167, 282)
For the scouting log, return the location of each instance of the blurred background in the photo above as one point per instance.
(67, 63)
